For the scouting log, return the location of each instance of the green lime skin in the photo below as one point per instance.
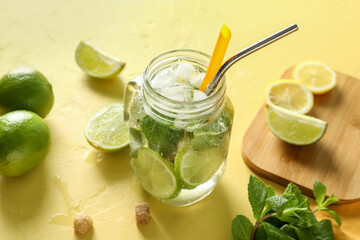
(26, 89)
(24, 142)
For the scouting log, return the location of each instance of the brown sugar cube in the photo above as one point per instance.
(83, 223)
(142, 213)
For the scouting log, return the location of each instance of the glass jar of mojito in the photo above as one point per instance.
(179, 136)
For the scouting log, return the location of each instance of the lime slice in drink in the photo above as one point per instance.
(155, 174)
(294, 128)
(197, 167)
(106, 130)
(96, 63)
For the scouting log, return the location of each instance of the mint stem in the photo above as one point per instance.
(258, 223)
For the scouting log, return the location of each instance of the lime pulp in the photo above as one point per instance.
(155, 174)
(106, 130)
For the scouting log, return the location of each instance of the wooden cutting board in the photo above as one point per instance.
(334, 160)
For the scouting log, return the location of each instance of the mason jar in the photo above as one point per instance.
(178, 148)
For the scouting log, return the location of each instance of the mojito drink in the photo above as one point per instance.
(179, 137)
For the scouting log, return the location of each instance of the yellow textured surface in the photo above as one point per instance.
(77, 178)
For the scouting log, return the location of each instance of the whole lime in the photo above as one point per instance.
(24, 142)
(26, 89)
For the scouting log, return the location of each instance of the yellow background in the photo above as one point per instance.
(76, 178)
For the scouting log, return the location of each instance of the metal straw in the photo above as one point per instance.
(243, 53)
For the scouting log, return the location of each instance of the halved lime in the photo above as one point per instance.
(106, 130)
(294, 128)
(155, 174)
(197, 167)
(96, 63)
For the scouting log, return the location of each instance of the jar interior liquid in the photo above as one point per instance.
(179, 137)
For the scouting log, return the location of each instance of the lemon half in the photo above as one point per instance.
(290, 94)
(316, 76)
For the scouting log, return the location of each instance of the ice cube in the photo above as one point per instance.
(184, 70)
(199, 95)
(176, 93)
(196, 80)
(163, 79)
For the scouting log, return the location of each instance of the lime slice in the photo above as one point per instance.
(290, 94)
(155, 174)
(96, 63)
(197, 167)
(316, 76)
(106, 130)
(294, 128)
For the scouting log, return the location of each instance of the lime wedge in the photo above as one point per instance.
(197, 167)
(155, 174)
(106, 130)
(294, 128)
(96, 63)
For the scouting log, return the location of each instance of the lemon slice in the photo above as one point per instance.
(294, 128)
(290, 94)
(155, 174)
(106, 130)
(197, 167)
(316, 76)
(96, 63)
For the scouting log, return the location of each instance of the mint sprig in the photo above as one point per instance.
(319, 193)
(287, 216)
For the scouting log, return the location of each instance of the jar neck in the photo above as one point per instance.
(167, 109)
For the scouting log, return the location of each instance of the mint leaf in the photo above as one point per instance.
(293, 193)
(304, 234)
(273, 233)
(330, 200)
(289, 230)
(277, 204)
(270, 193)
(334, 215)
(319, 190)
(153, 130)
(323, 230)
(161, 137)
(300, 217)
(241, 228)
(257, 193)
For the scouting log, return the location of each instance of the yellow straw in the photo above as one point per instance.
(217, 56)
